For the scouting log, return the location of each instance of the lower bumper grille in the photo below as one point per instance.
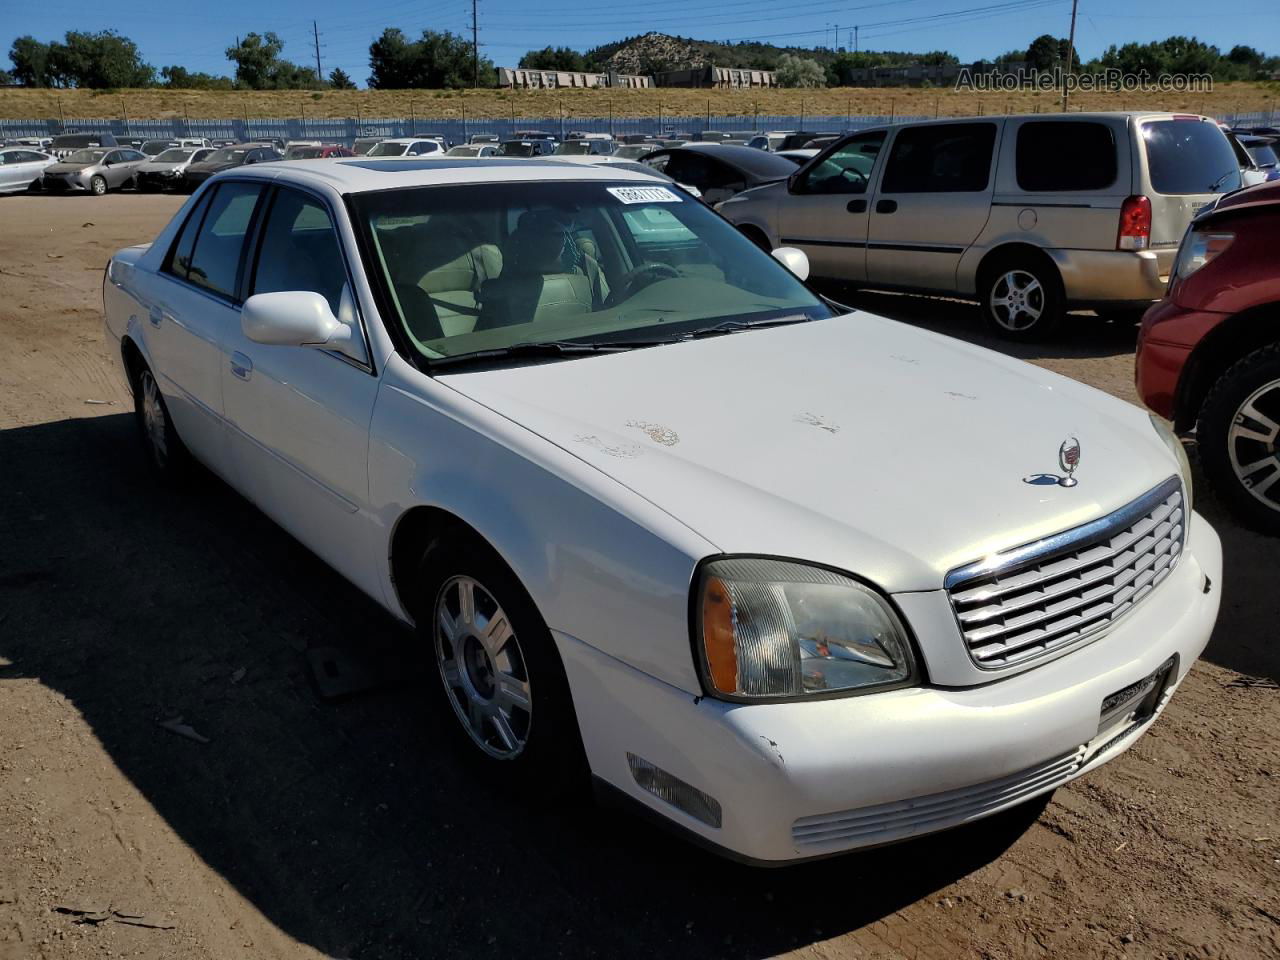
(899, 820)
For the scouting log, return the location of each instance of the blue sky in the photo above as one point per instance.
(195, 35)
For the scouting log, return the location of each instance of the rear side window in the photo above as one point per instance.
(180, 259)
(1189, 157)
(1065, 156)
(218, 255)
(941, 158)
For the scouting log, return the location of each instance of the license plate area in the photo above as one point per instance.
(1134, 705)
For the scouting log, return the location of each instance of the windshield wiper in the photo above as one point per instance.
(1213, 187)
(540, 348)
(733, 326)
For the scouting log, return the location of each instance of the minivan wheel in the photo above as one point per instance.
(1239, 439)
(501, 687)
(98, 185)
(1022, 300)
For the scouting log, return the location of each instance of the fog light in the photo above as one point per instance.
(673, 790)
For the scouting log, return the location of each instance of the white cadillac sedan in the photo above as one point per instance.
(798, 581)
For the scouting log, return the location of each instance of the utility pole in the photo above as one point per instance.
(1071, 54)
(475, 46)
(315, 30)
(855, 39)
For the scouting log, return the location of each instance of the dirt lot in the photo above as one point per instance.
(307, 827)
(158, 103)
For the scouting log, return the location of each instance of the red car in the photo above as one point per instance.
(1209, 352)
(317, 151)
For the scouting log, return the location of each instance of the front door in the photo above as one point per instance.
(825, 212)
(298, 417)
(932, 202)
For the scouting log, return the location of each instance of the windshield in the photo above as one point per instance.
(73, 140)
(517, 263)
(304, 153)
(388, 149)
(574, 147)
(87, 156)
(227, 155)
(153, 147)
(1189, 157)
(464, 151)
(1264, 155)
(634, 151)
(513, 149)
(174, 156)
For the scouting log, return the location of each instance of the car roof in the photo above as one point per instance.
(759, 162)
(364, 174)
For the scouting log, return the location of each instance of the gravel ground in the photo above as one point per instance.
(310, 827)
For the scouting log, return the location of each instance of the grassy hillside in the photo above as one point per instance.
(444, 104)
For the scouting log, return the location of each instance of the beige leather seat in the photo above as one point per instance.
(449, 267)
(534, 286)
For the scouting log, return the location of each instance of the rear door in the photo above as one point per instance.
(933, 199)
(193, 305)
(825, 210)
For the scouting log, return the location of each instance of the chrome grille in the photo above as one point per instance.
(1035, 599)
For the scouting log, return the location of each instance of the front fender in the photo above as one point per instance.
(601, 563)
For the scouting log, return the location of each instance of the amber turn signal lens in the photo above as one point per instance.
(717, 635)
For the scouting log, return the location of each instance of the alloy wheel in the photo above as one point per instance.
(154, 422)
(1253, 444)
(99, 186)
(483, 667)
(1017, 300)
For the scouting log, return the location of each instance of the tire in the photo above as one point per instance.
(1022, 298)
(501, 693)
(98, 186)
(164, 448)
(36, 186)
(1238, 438)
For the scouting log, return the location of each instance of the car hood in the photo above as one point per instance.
(204, 166)
(64, 167)
(157, 166)
(856, 442)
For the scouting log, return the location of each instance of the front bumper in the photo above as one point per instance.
(807, 779)
(1113, 277)
(54, 183)
(1169, 334)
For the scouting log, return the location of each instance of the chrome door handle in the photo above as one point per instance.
(155, 316)
(241, 366)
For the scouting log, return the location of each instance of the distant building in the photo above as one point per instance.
(917, 74)
(724, 78)
(554, 79)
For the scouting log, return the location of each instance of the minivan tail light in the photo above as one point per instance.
(1135, 224)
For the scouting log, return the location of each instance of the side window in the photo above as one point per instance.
(180, 259)
(847, 169)
(1065, 155)
(217, 258)
(941, 158)
(299, 250)
(720, 174)
(112, 157)
(659, 163)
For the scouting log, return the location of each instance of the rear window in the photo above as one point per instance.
(76, 140)
(1189, 157)
(1263, 155)
(941, 158)
(1065, 156)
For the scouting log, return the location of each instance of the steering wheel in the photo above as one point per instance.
(637, 279)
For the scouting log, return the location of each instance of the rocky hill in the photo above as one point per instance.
(654, 52)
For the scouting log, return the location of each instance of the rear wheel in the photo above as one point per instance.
(98, 185)
(1239, 439)
(1022, 299)
(165, 450)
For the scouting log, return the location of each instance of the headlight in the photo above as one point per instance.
(1198, 249)
(1184, 465)
(772, 628)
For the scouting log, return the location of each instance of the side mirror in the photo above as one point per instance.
(293, 318)
(794, 183)
(793, 258)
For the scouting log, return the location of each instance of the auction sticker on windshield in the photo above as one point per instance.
(644, 194)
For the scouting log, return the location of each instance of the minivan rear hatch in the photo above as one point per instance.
(1189, 162)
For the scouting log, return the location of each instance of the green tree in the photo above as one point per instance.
(100, 60)
(6, 78)
(260, 67)
(436, 60)
(1043, 53)
(554, 58)
(796, 71)
(339, 80)
(180, 78)
(30, 60)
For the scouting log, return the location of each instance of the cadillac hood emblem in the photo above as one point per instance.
(1068, 460)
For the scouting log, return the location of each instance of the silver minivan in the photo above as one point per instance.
(1031, 215)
